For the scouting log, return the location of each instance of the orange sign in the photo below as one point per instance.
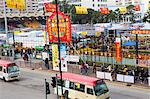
(104, 10)
(137, 8)
(64, 28)
(118, 50)
(50, 7)
(140, 31)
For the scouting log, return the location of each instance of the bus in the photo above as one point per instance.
(81, 87)
(9, 70)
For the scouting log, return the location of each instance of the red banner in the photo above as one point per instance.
(104, 10)
(137, 8)
(50, 7)
(64, 28)
(118, 50)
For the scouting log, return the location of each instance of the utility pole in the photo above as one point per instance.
(5, 18)
(59, 46)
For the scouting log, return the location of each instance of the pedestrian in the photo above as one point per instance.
(114, 75)
(86, 67)
(21, 52)
(25, 57)
(94, 68)
(47, 63)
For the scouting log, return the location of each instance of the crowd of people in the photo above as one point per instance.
(140, 73)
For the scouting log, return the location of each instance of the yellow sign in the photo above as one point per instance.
(84, 33)
(17, 4)
(149, 6)
(123, 10)
(81, 10)
(98, 34)
(55, 55)
(17, 32)
(45, 36)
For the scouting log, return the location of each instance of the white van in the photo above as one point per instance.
(9, 70)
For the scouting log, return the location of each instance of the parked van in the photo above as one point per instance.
(9, 70)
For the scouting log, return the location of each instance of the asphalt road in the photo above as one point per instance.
(31, 86)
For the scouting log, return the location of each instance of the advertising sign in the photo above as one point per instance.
(64, 28)
(17, 4)
(63, 57)
(118, 50)
(55, 56)
(104, 10)
(81, 10)
(50, 7)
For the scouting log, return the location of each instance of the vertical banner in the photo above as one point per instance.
(55, 56)
(118, 50)
(63, 57)
(64, 28)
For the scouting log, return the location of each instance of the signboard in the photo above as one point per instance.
(118, 50)
(17, 4)
(72, 58)
(81, 10)
(104, 10)
(64, 28)
(50, 7)
(123, 10)
(63, 57)
(55, 56)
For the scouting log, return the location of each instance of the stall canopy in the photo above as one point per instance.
(129, 43)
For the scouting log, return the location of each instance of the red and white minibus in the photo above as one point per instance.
(9, 70)
(82, 87)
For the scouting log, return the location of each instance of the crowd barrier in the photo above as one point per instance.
(120, 77)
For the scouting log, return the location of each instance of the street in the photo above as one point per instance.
(31, 86)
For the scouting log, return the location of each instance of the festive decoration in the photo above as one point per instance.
(64, 28)
(118, 50)
(140, 31)
(104, 10)
(123, 10)
(50, 7)
(137, 8)
(81, 10)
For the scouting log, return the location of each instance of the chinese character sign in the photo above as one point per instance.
(64, 28)
(118, 50)
(17, 4)
(50, 7)
(55, 56)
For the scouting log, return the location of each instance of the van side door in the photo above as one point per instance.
(1, 72)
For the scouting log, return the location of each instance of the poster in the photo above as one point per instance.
(118, 50)
(55, 56)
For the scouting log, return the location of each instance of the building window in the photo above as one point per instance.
(89, 91)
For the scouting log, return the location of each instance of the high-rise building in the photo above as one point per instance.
(34, 8)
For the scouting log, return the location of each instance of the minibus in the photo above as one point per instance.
(9, 70)
(81, 87)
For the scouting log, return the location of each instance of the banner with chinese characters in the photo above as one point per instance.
(55, 57)
(104, 10)
(123, 10)
(81, 10)
(137, 8)
(17, 4)
(118, 50)
(140, 31)
(64, 28)
(50, 7)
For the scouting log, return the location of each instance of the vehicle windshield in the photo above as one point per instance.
(100, 89)
(11, 69)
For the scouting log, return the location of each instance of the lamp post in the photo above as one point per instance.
(5, 18)
(59, 46)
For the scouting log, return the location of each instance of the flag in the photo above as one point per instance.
(104, 10)
(123, 10)
(50, 7)
(137, 8)
(118, 50)
(81, 10)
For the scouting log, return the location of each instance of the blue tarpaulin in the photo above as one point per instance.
(129, 43)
